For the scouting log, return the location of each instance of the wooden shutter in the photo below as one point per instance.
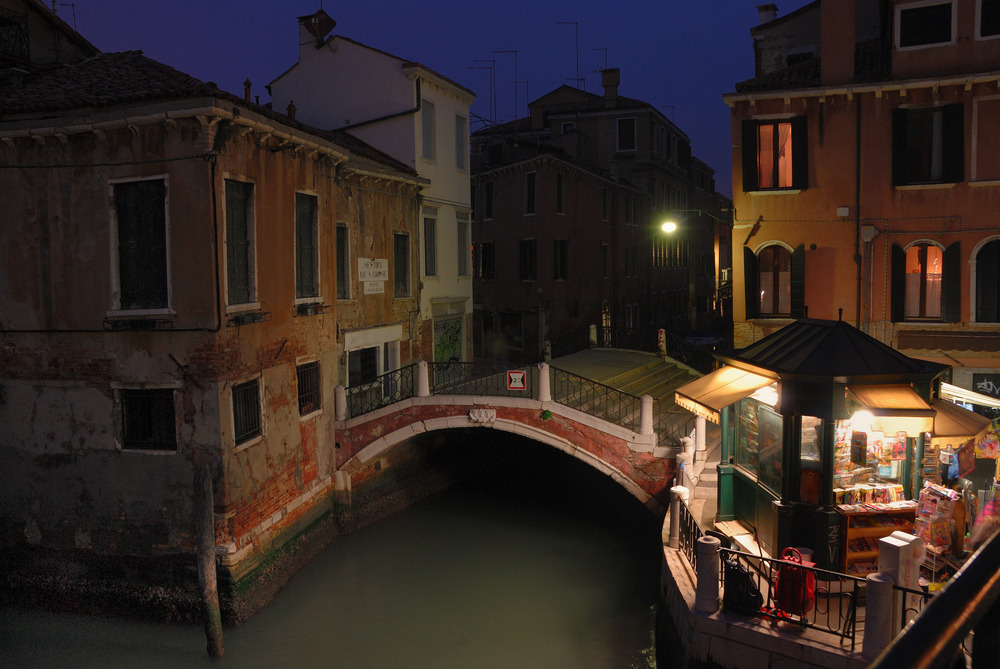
(951, 285)
(751, 282)
(800, 153)
(749, 154)
(898, 284)
(798, 282)
(953, 144)
(898, 147)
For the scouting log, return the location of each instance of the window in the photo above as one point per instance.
(240, 258)
(568, 126)
(926, 282)
(307, 375)
(512, 329)
(463, 245)
(775, 264)
(924, 264)
(774, 154)
(148, 422)
(461, 142)
(988, 283)
(362, 366)
(488, 197)
(13, 34)
(560, 264)
(529, 193)
(343, 264)
(430, 247)
(401, 264)
(559, 194)
(924, 23)
(605, 261)
(626, 134)
(140, 209)
(428, 134)
(528, 259)
(306, 253)
(246, 411)
(989, 18)
(928, 145)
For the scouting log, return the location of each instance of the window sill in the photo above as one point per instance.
(241, 308)
(309, 416)
(931, 186)
(247, 444)
(775, 191)
(138, 313)
(984, 184)
(149, 451)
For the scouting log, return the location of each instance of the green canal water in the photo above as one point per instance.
(549, 565)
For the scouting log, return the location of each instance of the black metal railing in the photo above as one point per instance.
(969, 601)
(383, 390)
(482, 378)
(571, 343)
(671, 425)
(689, 532)
(597, 399)
(819, 599)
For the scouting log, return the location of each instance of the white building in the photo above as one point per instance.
(422, 119)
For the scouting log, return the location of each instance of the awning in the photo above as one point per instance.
(895, 408)
(951, 392)
(713, 392)
(955, 425)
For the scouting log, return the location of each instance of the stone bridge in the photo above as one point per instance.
(613, 431)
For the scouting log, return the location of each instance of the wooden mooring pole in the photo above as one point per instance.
(205, 532)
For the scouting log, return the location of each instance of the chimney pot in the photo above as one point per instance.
(247, 85)
(767, 12)
(291, 109)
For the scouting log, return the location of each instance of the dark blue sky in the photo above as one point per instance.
(678, 55)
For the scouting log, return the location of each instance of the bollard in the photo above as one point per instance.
(423, 384)
(878, 615)
(340, 403)
(699, 433)
(678, 495)
(544, 383)
(646, 415)
(706, 597)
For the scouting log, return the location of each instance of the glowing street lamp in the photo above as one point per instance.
(668, 227)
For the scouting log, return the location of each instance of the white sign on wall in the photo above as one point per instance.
(373, 269)
(374, 287)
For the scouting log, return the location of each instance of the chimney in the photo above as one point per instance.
(291, 109)
(610, 80)
(767, 13)
(836, 42)
(247, 85)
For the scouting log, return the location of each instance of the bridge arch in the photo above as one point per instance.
(614, 451)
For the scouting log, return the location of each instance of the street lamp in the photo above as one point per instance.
(668, 227)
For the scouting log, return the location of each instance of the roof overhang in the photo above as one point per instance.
(956, 425)
(707, 396)
(894, 408)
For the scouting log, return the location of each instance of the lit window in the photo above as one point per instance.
(924, 266)
(774, 154)
(775, 266)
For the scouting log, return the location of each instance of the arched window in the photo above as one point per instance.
(988, 283)
(775, 284)
(924, 267)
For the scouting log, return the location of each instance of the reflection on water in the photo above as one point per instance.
(556, 567)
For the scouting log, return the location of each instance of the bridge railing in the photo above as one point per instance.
(383, 390)
(479, 378)
(597, 399)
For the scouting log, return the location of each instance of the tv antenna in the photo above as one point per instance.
(576, 28)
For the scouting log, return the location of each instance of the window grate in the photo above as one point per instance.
(148, 422)
(309, 389)
(246, 411)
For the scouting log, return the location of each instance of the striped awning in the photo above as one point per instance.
(713, 392)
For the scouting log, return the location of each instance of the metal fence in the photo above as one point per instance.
(383, 390)
(597, 399)
(481, 378)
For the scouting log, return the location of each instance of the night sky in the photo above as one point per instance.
(678, 55)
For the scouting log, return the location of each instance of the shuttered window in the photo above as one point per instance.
(140, 208)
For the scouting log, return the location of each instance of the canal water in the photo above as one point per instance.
(539, 563)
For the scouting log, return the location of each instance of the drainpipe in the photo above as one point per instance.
(857, 206)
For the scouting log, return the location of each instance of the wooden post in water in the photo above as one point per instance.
(205, 532)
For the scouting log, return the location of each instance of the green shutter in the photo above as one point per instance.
(751, 281)
(798, 287)
(800, 153)
(749, 149)
(953, 144)
(951, 285)
(898, 285)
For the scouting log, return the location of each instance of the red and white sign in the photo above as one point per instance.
(515, 380)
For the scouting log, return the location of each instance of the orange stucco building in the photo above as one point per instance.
(866, 177)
